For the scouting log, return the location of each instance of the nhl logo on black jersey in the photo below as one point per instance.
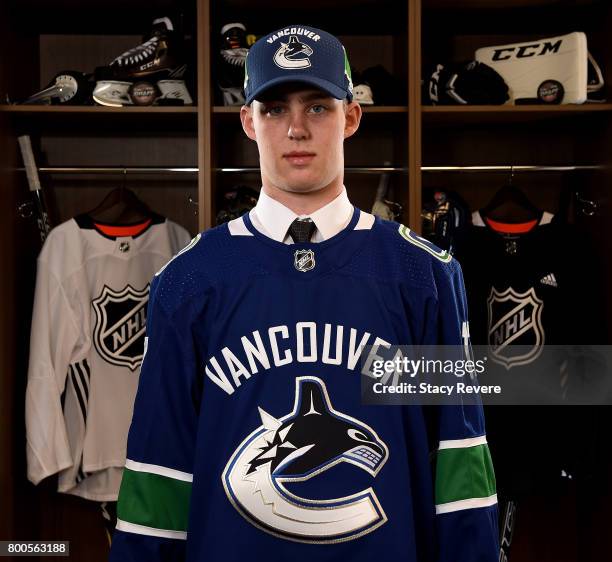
(296, 448)
(304, 260)
(120, 325)
(515, 319)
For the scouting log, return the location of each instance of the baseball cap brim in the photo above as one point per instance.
(328, 87)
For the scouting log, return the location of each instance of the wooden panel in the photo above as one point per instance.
(65, 111)
(16, 252)
(69, 16)
(414, 115)
(503, 4)
(377, 49)
(205, 182)
(169, 197)
(359, 17)
(8, 322)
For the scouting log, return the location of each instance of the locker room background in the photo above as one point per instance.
(41, 38)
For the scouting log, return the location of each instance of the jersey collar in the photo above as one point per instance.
(274, 218)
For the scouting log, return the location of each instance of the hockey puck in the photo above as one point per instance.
(143, 93)
(551, 91)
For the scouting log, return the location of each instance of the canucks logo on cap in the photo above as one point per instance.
(293, 54)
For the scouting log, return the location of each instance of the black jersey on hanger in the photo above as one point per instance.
(533, 284)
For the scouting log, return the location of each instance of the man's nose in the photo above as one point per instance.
(298, 129)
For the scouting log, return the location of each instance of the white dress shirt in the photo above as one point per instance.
(273, 219)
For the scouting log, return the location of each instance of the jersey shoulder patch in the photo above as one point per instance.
(424, 244)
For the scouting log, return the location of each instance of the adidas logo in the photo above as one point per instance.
(549, 280)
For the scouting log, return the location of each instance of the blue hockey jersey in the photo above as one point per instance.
(249, 439)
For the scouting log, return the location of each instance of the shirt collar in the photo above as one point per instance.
(334, 216)
(329, 219)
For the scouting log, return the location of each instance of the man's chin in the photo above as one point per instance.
(302, 185)
(304, 188)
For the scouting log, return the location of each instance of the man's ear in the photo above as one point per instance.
(246, 118)
(352, 114)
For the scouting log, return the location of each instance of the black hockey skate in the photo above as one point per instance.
(149, 73)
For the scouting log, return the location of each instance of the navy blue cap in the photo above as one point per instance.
(298, 53)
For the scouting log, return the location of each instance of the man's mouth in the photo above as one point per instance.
(299, 158)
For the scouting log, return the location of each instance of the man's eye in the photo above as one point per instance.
(274, 110)
(318, 108)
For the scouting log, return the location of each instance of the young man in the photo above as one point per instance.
(249, 438)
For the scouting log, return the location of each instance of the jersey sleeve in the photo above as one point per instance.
(53, 339)
(465, 492)
(153, 504)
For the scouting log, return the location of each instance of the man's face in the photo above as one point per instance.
(300, 134)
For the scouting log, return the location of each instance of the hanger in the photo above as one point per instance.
(120, 207)
(510, 205)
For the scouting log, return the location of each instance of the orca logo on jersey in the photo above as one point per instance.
(304, 260)
(514, 318)
(121, 318)
(298, 447)
(293, 55)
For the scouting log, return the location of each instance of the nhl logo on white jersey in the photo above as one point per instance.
(304, 260)
(120, 325)
(515, 318)
(295, 448)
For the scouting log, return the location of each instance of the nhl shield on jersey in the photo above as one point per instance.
(120, 325)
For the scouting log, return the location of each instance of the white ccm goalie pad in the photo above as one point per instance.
(526, 66)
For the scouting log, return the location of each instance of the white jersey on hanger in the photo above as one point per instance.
(86, 346)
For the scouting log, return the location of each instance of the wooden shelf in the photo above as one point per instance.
(75, 119)
(386, 109)
(507, 113)
(96, 109)
(504, 4)
(223, 110)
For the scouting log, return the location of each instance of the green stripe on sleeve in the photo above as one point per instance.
(154, 501)
(464, 473)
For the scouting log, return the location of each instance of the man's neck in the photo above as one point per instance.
(308, 202)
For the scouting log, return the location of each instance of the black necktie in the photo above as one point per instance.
(301, 230)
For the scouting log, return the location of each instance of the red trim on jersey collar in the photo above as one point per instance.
(117, 231)
(511, 228)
